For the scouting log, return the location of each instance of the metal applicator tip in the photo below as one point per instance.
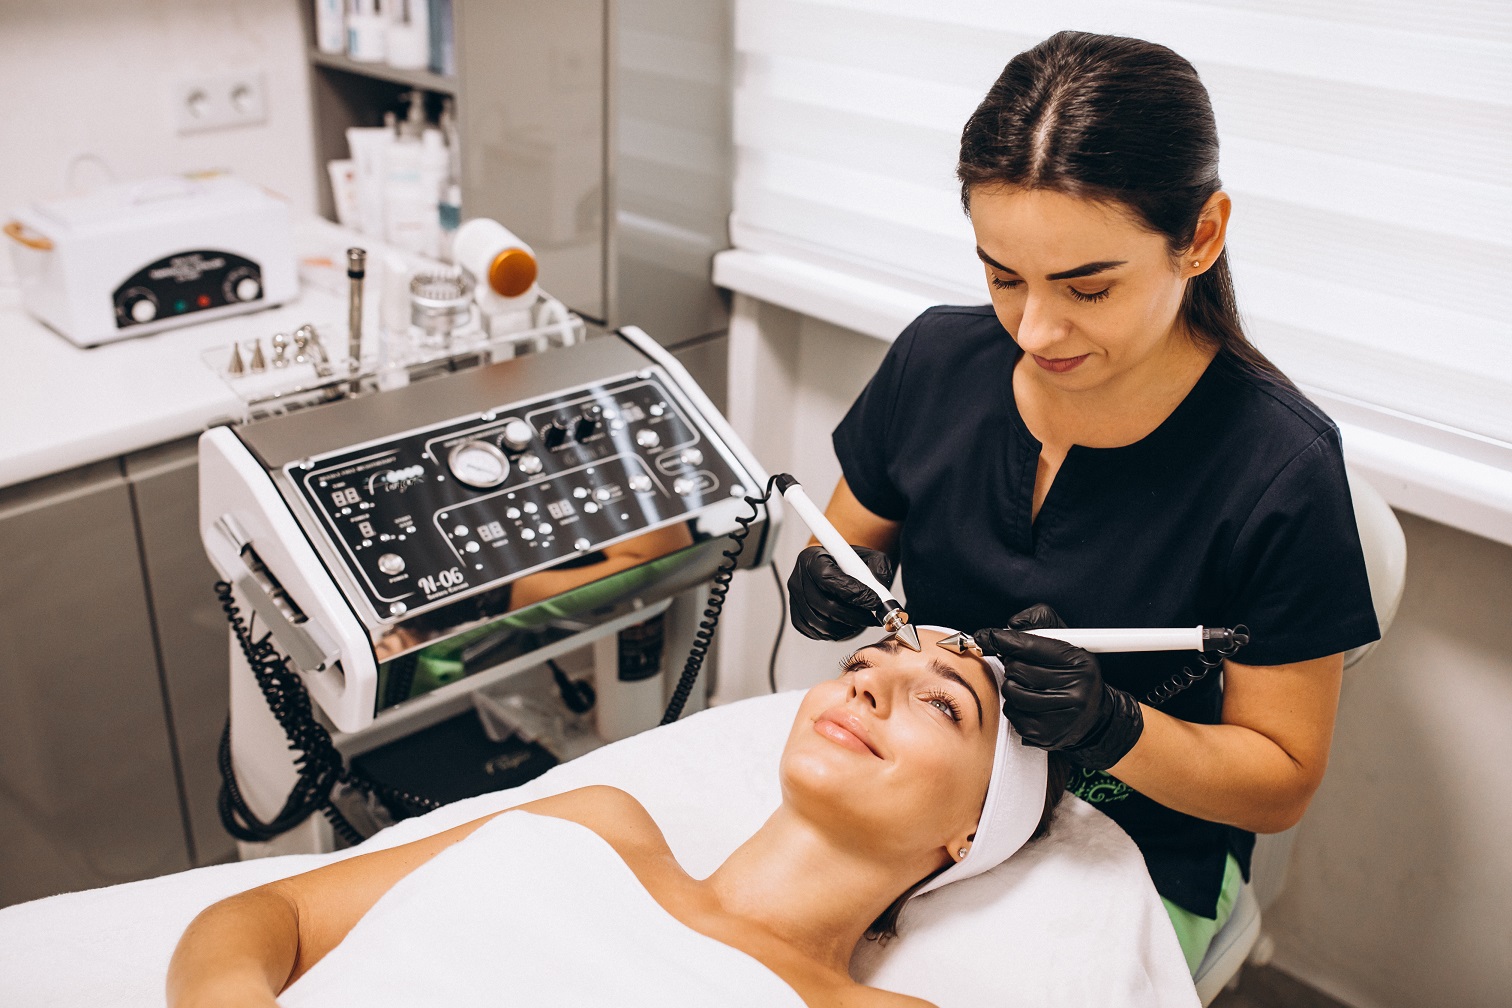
(909, 636)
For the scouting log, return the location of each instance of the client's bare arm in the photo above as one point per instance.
(245, 949)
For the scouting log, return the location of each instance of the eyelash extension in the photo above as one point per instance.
(1002, 284)
(948, 701)
(853, 661)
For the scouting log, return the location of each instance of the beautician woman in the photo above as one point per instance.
(1103, 446)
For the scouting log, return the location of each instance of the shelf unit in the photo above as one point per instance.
(422, 79)
(599, 131)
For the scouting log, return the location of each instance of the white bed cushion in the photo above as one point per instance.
(1071, 920)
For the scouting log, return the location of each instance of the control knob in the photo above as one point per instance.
(530, 464)
(391, 564)
(585, 428)
(241, 285)
(555, 435)
(647, 438)
(143, 311)
(640, 482)
(517, 434)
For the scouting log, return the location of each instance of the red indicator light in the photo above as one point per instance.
(204, 300)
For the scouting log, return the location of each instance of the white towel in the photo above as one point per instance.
(531, 910)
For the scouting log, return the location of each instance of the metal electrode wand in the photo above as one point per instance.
(356, 271)
(890, 612)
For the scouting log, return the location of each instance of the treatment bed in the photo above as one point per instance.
(1072, 919)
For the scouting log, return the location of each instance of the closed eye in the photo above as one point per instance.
(1094, 296)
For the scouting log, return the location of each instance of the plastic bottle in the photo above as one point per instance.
(450, 206)
(330, 26)
(629, 680)
(503, 266)
(367, 31)
(409, 34)
(409, 212)
(435, 169)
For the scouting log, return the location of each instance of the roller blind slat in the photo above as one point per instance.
(1366, 144)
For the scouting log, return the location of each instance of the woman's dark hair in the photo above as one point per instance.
(886, 925)
(1123, 122)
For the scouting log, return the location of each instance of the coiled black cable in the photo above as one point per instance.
(1186, 678)
(718, 590)
(319, 765)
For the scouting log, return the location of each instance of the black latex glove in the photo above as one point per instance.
(827, 603)
(1054, 694)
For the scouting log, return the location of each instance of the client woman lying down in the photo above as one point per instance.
(898, 776)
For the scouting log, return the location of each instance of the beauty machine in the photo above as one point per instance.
(388, 556)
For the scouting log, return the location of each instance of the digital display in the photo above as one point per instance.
(347, 497)
(491, 531)
(560, 509)
(366, 528)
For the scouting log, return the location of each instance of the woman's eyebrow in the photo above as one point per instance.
(1086, 269)
(939, 668)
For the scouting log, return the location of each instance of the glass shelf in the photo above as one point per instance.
(422, 79)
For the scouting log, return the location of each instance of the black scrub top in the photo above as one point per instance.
(1235, 510)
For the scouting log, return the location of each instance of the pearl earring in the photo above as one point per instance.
(1196, 263)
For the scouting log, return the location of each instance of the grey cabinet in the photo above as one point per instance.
(190, 630)
(88, 791)
(113, 658)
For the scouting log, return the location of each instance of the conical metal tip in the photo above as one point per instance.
(960, 643)
(908, 635)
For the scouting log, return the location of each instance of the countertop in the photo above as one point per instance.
(62, 406)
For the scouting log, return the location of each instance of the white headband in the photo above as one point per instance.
(1015, 797)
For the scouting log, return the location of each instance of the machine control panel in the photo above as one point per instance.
(184, 283)
(436, 514)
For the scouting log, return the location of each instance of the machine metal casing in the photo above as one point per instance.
(89, 264)
(297, 510)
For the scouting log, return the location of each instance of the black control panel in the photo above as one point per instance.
(435, 514)
(184, 283)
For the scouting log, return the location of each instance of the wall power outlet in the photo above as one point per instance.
(221, 101)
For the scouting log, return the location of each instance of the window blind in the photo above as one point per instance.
(1366, 144)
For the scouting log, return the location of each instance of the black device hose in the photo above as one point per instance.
(1237, 638)
(320, 766)
(720, 588)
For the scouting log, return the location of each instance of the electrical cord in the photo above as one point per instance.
(577, 694)
(781, 625)
(1186, 678)
(319, 765)
(718, 591)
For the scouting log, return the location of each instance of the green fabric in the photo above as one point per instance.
(1196, 933)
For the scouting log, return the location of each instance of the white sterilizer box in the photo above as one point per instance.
(133, 258)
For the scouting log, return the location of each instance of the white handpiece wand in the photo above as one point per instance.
(1101, 640)
(893, 616)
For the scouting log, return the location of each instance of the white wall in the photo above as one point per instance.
(97, 77)
(1400, 892)
(1400, 889)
